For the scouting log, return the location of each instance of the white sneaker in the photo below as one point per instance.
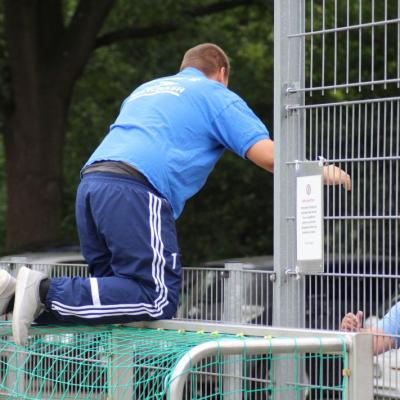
(27, 304)
(7, 290)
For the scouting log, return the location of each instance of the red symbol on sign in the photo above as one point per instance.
(308, 189)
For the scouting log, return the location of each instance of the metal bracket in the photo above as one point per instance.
(293, 273)
(291, 87)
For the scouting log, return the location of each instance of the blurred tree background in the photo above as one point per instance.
(138, 41)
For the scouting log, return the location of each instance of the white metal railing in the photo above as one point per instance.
(358, 348)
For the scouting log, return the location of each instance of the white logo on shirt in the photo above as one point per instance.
(168, 87)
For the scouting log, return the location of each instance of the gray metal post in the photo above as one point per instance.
(14, 378)
(120, 371)
(360, 368)
(288, 304)
(234, 294)
(288, 133)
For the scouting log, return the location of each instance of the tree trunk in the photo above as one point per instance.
(34, 160)
(46, 57)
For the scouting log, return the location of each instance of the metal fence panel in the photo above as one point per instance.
(229, 294)
(337, 96)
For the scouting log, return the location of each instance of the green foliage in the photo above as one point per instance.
(232, 216)
(352, 55)
(69, 7)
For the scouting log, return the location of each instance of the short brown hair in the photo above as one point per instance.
(207, 57)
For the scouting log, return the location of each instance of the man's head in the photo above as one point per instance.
(210, 59)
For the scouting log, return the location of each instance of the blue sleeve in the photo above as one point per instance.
(237, 128)
(390, 323)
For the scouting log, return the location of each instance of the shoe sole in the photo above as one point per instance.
(22, 280)
(9, 278)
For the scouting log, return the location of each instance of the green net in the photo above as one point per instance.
(119, 362)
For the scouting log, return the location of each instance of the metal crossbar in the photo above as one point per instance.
(250, 347)
(358, 347)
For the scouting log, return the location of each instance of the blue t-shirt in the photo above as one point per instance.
(390, 323)
(174, 130)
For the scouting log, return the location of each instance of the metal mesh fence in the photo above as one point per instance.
(239, 294)
(339, 92)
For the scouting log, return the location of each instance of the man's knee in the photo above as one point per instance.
(169, 311)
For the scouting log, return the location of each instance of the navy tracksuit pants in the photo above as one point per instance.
(128, 238)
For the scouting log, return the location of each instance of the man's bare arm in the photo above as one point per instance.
(262, 154)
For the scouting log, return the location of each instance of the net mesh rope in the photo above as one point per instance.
(120, 362)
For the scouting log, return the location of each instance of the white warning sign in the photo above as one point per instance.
(309, 218)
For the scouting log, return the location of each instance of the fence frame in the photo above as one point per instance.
(289, 18)
(309, 35)
(358, 346)
(288, 73)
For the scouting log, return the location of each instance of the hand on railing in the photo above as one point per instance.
(352, 322)
(335, 176)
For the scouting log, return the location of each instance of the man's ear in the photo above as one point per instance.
(219, 76)
(223, 78)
